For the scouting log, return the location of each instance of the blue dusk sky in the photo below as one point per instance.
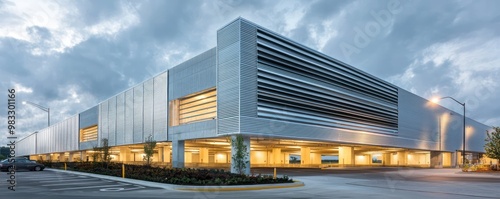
(70, 55)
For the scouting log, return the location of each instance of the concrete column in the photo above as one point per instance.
(436, 159)
(315, 158)
(83, 156)
(61, 157)
(459, 158)
(166, 153)
(178, 153)
(454, 160)
(125, 154)
(305, 155)
(246, 142)
(286, 158)
(402, 158)
(70, 157)
(277, 156)
(346, 156)
(203, 155)
(386, 159)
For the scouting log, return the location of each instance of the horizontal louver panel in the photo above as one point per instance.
(199, 107)
(298, 85)
(88, 134)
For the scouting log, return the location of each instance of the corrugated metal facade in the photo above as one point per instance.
(26, 146)
(228, 78)
(131, 116)
(59, 137)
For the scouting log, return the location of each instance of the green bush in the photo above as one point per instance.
(465, 168)
(185, 176)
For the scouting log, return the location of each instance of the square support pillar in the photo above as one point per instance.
(315, 158)
(286, 158)
(402, 158)
(70, 157)
(305, 155)
(346, 156)
(61, 157)
(203, 155)
(386, 159)
(124, 154)
(459, 158)
(166, 153)
(178, 153)
(277, 156)
(83, 156)
(454, 160)
(436, 159)
(246, 142)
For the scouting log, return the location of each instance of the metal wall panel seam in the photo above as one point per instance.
(239, 75)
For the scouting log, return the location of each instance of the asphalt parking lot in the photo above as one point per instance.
(328, 183)
(52, 183)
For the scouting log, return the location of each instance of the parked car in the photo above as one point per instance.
(21, 164)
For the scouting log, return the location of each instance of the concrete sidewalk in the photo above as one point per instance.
(187, 187)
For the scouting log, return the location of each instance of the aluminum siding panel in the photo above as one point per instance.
(138, 113)
(148, 105)
(120, 119)
(129, 116)
(160, 107)
(228, 78)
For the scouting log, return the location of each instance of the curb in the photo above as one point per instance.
(187, 187)
(240, 187)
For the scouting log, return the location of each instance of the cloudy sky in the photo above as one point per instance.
(70, 55)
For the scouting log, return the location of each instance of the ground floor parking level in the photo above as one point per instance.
(275, 152)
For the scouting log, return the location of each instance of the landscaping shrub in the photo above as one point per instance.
(185, 176)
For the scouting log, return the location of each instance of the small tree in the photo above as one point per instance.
(149, 147)
(96, 156)
(240, 155)
(492, 146)
(106, 155)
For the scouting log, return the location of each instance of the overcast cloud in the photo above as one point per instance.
(70, 55)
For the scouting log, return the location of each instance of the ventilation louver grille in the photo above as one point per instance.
(297, 85)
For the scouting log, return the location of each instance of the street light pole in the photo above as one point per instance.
(463, 139)
(42, 108)
(463, 146)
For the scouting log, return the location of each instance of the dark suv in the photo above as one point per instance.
(21, 164)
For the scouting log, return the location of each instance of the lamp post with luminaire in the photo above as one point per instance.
(435, 100)
(40, 107)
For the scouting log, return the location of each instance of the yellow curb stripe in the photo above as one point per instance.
(201, 189)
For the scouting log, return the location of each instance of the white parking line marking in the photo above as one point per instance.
(72, 188)
(49, 179)
(69, 180)
(74, 183)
